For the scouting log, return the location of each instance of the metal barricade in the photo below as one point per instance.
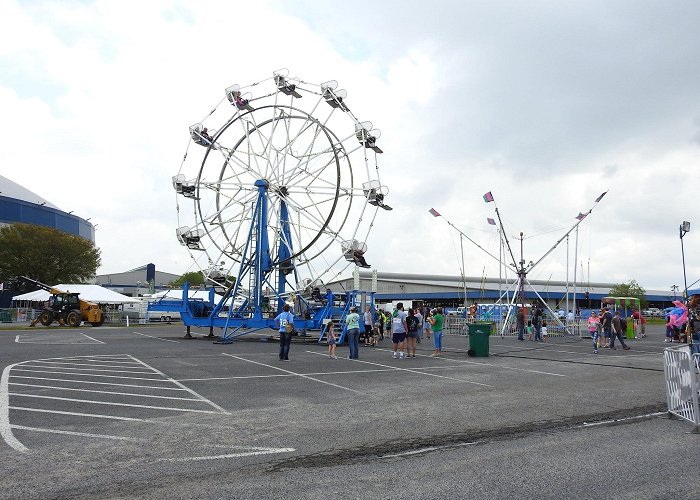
(681, 372)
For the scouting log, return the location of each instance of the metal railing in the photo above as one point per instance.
(682, 376)
(456, 325)
(22, 316)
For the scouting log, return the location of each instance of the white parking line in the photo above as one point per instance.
(91, 415)
(411, 370)
(157, 338)
(81, 371)
(109, 403)
(254, 451)
(95, 365)
(73, 433)
(101, 383)
(341, 372)
(88, 336)
(539, 372)
(293, 373)
(74, 389)
(91, 375)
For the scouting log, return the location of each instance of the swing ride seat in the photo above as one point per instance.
(335, 98)
(354, 251)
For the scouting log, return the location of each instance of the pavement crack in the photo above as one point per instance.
(399, 449)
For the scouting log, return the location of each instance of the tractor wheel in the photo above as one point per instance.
(73, 318)
(46, 317)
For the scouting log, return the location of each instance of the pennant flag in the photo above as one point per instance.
(600, 197)
(434, 212)
(581, 216)
(491, 221)
(488, 197)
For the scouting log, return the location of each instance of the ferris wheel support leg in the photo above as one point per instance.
(188, 335)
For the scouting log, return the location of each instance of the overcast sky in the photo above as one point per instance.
(546, 104)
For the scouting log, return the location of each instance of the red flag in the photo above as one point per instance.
(491, 221)
(488, 197)
(434, 212)
(600, 197)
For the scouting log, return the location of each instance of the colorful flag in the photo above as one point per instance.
(600, 197)
(491, 221)
(581, 216)
(488, 197)
(434, 212)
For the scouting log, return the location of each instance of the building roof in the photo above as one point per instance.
(11, 189)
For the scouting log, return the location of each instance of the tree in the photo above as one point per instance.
(46, 255)
(631, 289)
(192, 277)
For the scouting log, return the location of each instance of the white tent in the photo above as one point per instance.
(92, 293)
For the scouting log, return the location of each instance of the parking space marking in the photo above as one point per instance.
(55, 338)
(100, 383)
(88, 336)
(410, 370)
(341, 372)
(539, 372)
(157, 338)
(254, 452)
(81, 371)
(75, 389)
(294, 373)
(112, 403)
(22, 370)
(74, 433)
(96, 365)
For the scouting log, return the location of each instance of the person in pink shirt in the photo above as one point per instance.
(593, 328)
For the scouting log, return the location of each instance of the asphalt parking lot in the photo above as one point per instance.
(142, 412)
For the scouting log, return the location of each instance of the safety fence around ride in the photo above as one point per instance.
(456, 325)
(682, 376)
(23, 316)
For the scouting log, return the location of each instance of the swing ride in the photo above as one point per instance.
(276, 195)
(516, 290)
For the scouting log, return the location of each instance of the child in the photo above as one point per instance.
(544, 331)
(331, 341)
(530, 330)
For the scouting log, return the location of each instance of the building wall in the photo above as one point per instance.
(13, 210)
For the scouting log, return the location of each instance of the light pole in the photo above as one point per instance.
(682, 230)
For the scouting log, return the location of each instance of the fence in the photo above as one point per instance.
(24, 315)
(682, 375)
(456, 325)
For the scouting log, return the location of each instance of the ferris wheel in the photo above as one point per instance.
(279, 188)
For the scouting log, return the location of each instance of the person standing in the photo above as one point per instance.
(427, 322)
(537, 324)
(398, 329)
(352, 324)
(419, 317)
(381, 319)
(367, 318)
(593, 327)
(412, 325)
(332, 340)
(640, 323)
(618, 332)
(285, 324)
(606, 322)
(520, 323)
(437, 320)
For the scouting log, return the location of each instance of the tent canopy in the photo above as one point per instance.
(92, 293)
(622, 301)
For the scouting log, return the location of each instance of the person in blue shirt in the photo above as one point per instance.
(282, 320)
